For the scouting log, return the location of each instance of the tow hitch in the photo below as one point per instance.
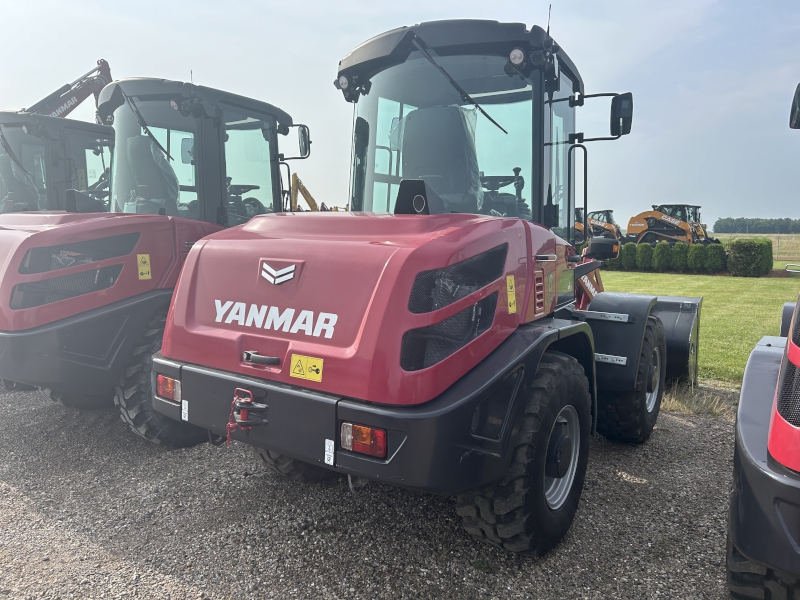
(245, 413)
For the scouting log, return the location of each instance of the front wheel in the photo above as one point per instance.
(631, 416)
(292, 468)
(134, 395)
(532, 508)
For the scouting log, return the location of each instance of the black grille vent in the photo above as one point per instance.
(441, 287)
(796, 326)
(789, 395)
(426, 346)
(53, 258)
(39, 293)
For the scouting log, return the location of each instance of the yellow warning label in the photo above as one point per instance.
(306, 367)
(511, 288)
(143, 264)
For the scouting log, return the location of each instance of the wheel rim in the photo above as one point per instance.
(654, 379)
(557, 489)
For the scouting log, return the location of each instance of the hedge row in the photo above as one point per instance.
(750, 257)
(680, 257)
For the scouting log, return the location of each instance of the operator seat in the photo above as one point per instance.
(24, 195)
(439, 148)
(152, 172)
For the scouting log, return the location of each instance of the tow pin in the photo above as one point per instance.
(240, 397)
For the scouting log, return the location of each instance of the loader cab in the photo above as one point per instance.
(42, 157)
(483, 112)
(606, 216)
(194, 152)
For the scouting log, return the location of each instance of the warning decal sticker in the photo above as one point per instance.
(511, 288)
(143, 265)
(306, 367)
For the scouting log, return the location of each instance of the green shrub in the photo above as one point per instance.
(678, 257)
(715, 260)
(613, 264)
(696, 260)
(644, 257)
(661, 256)
(750, 257)
(628, 256)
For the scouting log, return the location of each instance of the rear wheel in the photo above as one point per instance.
(79, 401)
(532, 508)
(748, 579)
(16, 386)
(292, 468)
(134, 395)
(631, 416)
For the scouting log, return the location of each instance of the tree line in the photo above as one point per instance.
(745, 225)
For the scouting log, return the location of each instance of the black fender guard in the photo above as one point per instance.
(786, 318)
(618, 323)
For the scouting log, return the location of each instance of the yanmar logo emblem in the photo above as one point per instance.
(277, 276)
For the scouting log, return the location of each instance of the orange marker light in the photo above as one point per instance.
(364, 440)
(169, 388)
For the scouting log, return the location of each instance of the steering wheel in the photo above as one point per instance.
(495, 182)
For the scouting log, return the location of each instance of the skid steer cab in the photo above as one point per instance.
(86, 285)
(444, 335)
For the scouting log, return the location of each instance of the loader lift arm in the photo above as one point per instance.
(68, 97)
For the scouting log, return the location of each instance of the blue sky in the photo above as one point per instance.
(712, 80)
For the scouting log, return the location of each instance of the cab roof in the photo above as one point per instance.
(154, 89)
(17, 118)
(456, 36)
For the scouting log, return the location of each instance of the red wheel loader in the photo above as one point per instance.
(763, 554)
(443, 335)
(85, 289)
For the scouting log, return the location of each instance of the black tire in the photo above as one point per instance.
(79, 401)
(631, 416)
(16, 386)
(293, 469)
(514, 513)
(748, 579)
(134, 396)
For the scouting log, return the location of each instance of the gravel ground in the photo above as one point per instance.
(88, 510)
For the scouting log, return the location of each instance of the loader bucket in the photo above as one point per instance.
(681, 319)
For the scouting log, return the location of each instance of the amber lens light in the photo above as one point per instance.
(364, 440)
(168, 388)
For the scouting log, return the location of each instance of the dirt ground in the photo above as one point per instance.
(87, 510)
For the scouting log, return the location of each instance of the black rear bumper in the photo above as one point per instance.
(84, 354)
(764, 519)
(440, 446)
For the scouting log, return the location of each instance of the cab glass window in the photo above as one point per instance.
(23, 171)
(248, 166)
(561, 124)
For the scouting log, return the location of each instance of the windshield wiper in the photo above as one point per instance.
(7, 147)
(143, 124)
(465, 97)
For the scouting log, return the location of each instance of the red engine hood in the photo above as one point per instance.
(333, 289)
(162, 239)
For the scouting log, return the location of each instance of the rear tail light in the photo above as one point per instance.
(168, 388)
(364, 440)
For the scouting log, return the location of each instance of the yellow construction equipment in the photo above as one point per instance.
(669, 222)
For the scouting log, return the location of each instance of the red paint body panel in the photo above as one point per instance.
(359, 266)
(784, 438)
(163, 238)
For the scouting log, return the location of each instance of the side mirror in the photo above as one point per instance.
(794, 116)
(304, 137)
(187, 150)
(602, 248)
(621, 114)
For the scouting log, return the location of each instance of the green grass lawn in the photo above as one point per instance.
(736, 312)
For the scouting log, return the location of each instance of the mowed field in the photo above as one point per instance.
(785, 247)
(736, 312)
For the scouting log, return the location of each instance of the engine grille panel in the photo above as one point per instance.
(426, 346)
(789, 394)
(438, 288)
(53, 258)
(796, 326)
(39, 293)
